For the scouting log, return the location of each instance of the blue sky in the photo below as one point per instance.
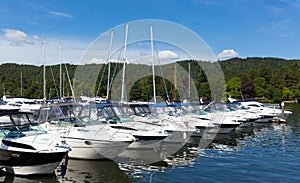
(243, 28)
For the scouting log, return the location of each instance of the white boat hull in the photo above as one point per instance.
(30, 170)
(93, 150)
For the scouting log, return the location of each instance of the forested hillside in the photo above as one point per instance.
(264, 78)
(271, 79)
(32, 80)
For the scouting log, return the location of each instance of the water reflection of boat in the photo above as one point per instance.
(183, 157)
(9, 178)
(228, 139)
(94, 171)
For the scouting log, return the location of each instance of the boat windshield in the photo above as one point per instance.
(64, 112)
(108, 114)
(121, 113)
(16, 119)
(201, 112)
(3, 132)
(17, 124)
(26, 130)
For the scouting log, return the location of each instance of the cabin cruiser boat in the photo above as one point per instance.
(149, 146)
(179, 132)
(264, 111)
(209, 120)
(267, 114)
(26, 148)
(107, 113)
(89, 139)
(24, 104)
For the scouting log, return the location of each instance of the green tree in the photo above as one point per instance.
(204, 91)
(277, 95)
(287, 93)
(260, 85)
(247, 88)
(233, 87)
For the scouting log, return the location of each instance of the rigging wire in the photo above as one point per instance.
(101, 79)
(162, 74)
(73, 95)
(114, 73)
(55, 85)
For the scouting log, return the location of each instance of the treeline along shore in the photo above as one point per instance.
(266, 79)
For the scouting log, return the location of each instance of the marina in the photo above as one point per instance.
(149, 100)
(142, 138)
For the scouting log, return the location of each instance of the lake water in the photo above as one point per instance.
(271, 154)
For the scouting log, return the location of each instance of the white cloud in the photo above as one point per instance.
(14, 36)
(18, 38)
(60, 14)
(167, 54)
(33, 53)
(227, 53)
(36, 37)
(96, 60)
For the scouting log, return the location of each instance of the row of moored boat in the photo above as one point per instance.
(37, 141)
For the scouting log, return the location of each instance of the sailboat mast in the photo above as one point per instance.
(124, 64)
(3, 89)
(109, 58)
(189, 81)
(44, 73)
(175, 83)
(21, 84)
(60, 71)
(153, 71)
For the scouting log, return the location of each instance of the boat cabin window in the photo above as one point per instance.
(253, 105)
(5, 121)
(4, 132)
(108, 113)
(129, 111)
(142, 110)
